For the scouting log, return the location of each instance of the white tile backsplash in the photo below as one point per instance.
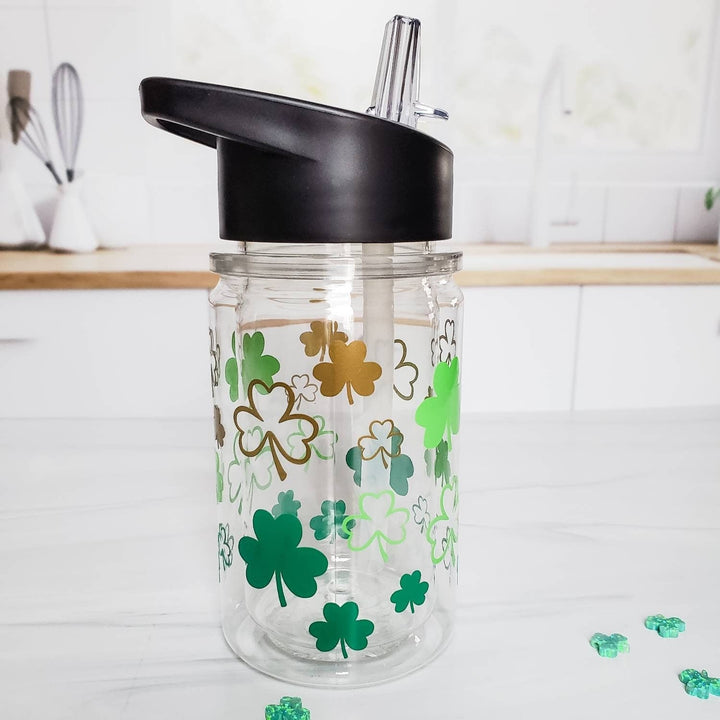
(640, 213)
(694, 222)
(576, 213)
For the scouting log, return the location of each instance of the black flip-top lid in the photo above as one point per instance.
(290, 170)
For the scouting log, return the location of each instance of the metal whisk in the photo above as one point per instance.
(67, 103)
(26, 123)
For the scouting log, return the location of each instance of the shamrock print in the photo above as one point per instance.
(347, 369)
(219, 429)
(378, 521)
(255, 365)
(445, 525)
(303, 389)
(368, 458)
(218, 478)
(610, 645)
(274, 552)
(249, 474)
(286, 504)
(441, 412)
(323, 445)
(437, 462)
(406, 373)
(447, 349)
(214, 361)
(412, 592)
(289, 708)
(666, 627)
(271, 409)
(232, 376)
(699, 684)
(226, 543)
(421, 515)
(322, 333)
(330, 521)
(342, 626)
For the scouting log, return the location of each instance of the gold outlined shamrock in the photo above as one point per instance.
(379, 441)
(347, 369)
(406, 373)
(321, 334)
(262, 412)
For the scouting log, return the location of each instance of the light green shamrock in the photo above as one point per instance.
(248, 473)
(255, 365)
(378, 521)
(444, 527)
(440, 413)
(231, 372)
(323, 445)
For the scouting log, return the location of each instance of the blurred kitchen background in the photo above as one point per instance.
(578, 121)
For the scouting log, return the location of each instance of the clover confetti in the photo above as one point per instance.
(412, 592)
(330, 521)
(699, 684)
(347, 369)
(666, 627)
(286, 504)
(609, 645)
(256, 365)
(269, 410)
(289, 708)
(342, 626)
(274, 552)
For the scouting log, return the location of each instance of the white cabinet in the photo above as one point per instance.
(655, 346)
(519, 348)
(104, 353)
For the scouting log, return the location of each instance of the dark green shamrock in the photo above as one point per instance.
(286, 504)
(255, 365)
(440, 414)
(226, 543)
(439, 466)
(341, 626)
(666, 627)
(330, 522)
(610, 645)
(275, 552)
(699, 684)
(412, 592)
(231, 372)
(401, 466)
(289, 708)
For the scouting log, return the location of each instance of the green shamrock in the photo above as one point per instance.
(289, 708)
(218, 478)
(286, 504)
(341, 626)
(231, 372)
(440, 465)
(226, 542)
(412, 592)
(699, 684)
(275, 552)
(378, 521)
(401, 466)
(441, 412)
(255, 365)
(610, 645)
(330, 522)
(323, 445)
(442, 532)
(245, 475)
(666, 627)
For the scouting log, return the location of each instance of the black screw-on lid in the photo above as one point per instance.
(291, 171)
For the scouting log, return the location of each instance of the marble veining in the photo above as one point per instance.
(570, 525)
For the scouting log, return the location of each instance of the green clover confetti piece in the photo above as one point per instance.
(378, 521)
(286, 504)
(219, 483)
(610, 645)
(342, 626)
(412, 592)
(444, 527)
(289, 708)
(231, 372)
(699, 684)
(226, 543)
(666, 627)
(255, 365)
(330, 522)
(440, 414)
(275, 553)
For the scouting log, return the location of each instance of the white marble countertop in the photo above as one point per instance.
(570, 525)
